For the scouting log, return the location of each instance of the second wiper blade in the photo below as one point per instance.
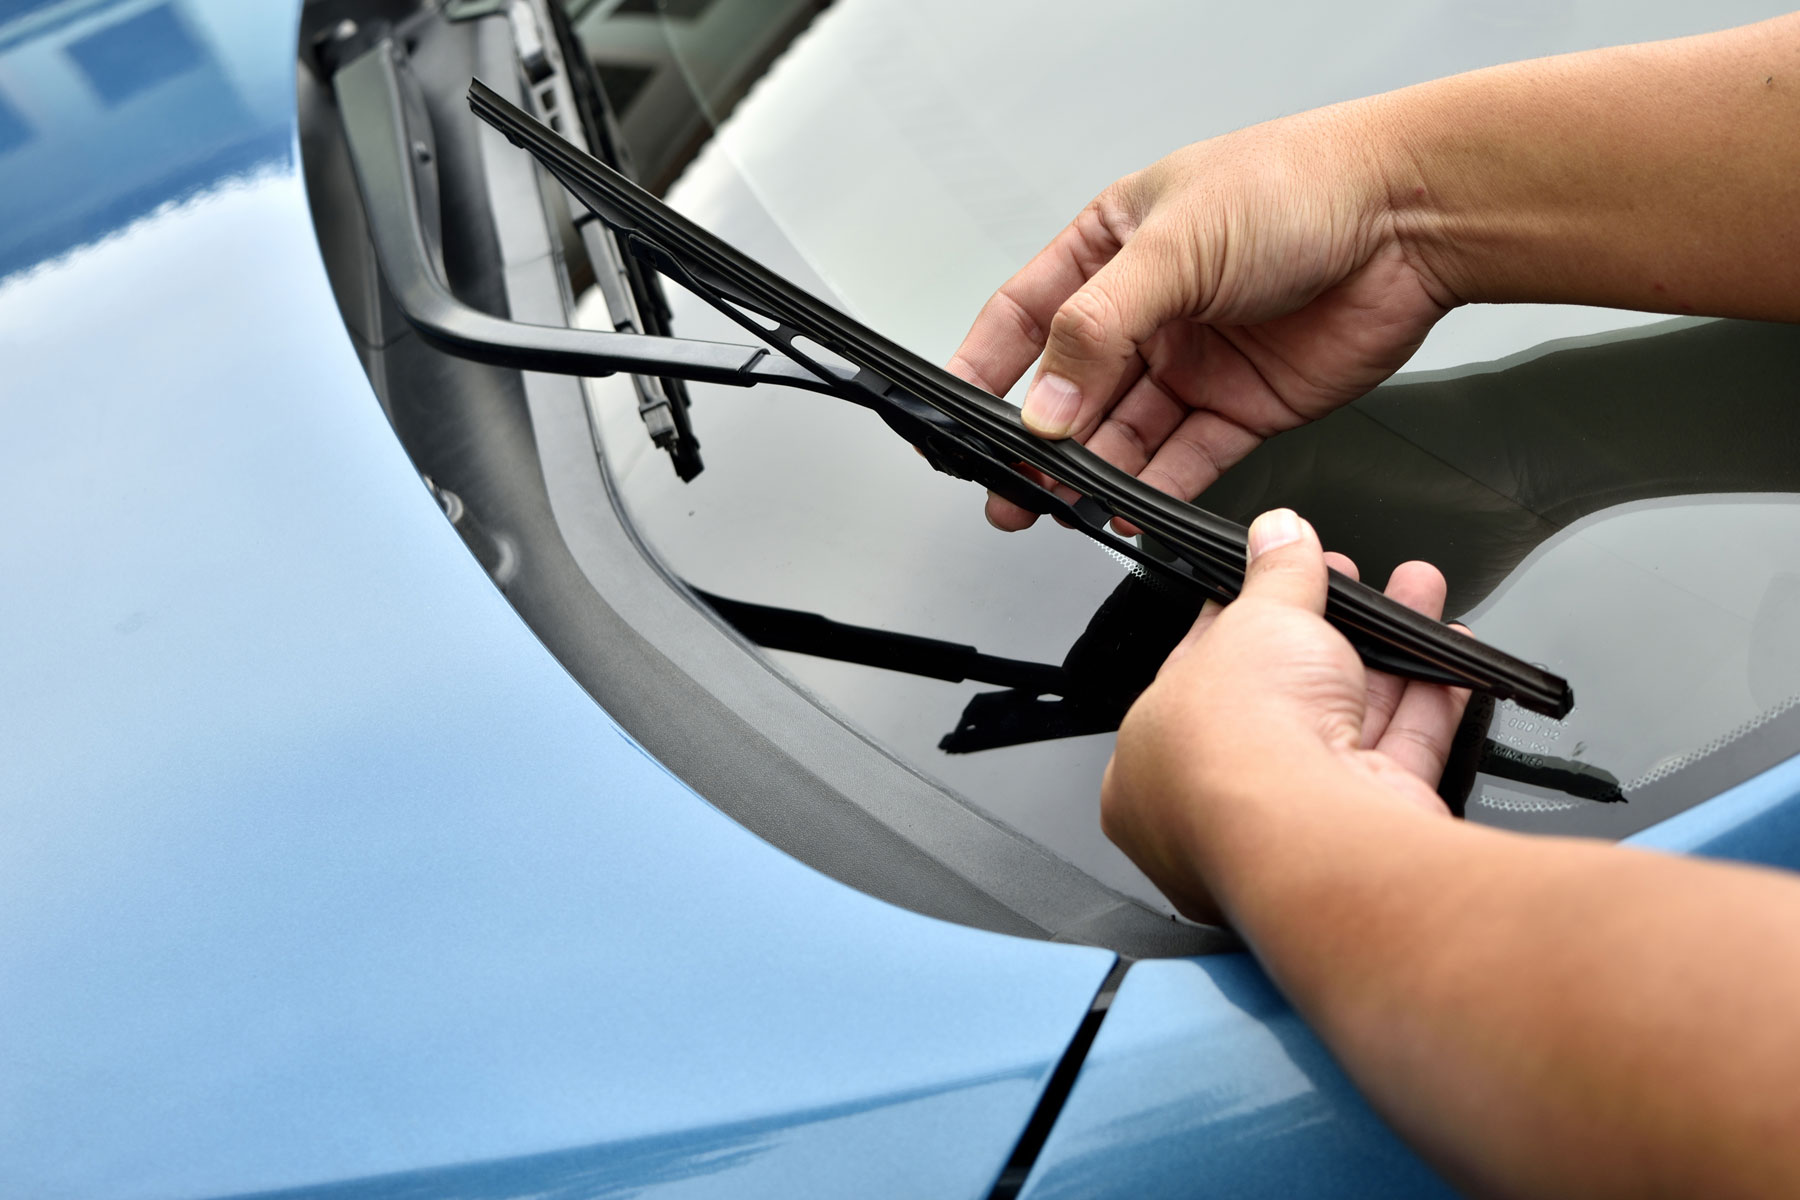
(967, 432)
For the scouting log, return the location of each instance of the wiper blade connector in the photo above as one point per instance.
(964, 431)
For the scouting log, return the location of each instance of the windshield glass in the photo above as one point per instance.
(1608, 492)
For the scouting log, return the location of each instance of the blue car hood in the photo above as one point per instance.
(318, 874)
(316, 870)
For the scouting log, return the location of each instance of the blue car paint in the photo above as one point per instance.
(1758, 821)
(109, 110)
(316, 871)
(1203, 1081)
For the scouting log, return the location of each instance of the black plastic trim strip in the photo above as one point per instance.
(1056, 1092)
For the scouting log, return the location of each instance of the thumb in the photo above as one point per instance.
(1287, 564)
(1095, 335)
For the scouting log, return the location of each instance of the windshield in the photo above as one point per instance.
(1607, 491)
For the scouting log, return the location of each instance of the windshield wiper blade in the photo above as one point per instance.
(633, 293)
(966, 432)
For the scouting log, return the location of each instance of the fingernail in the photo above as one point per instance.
(1273, 530)
(1051, 405)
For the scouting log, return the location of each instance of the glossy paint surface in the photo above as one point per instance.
(1203, 1082)
(317, 870)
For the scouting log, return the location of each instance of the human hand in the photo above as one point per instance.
(1237, 288)
(1263, 713)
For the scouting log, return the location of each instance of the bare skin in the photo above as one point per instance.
(1245, 285)
(1539, 1017)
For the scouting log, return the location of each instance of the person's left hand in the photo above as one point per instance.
(1265, 709)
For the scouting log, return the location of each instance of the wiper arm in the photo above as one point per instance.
(382, 144)
(966, 432)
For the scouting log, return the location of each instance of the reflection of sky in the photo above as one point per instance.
(919, 151)
(117, 107)
(315, 865)
(14, 131)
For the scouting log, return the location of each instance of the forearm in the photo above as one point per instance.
(1540, 1017)
(1663, 176)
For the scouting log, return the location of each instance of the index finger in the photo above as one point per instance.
(1010, 330)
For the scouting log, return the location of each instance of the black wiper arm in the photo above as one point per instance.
(966, 432)
(382, 145)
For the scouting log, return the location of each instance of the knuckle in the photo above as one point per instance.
(1081, 327)
(1110, 816)
(1117, 206)
(1280, 562)
(1006, 307)
(1112, 803)
(1425, 750)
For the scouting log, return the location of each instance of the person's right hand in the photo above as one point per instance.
(1238, 288)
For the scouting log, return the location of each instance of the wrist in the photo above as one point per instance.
(1261, 800)
(1303, 846)
(1421, 186)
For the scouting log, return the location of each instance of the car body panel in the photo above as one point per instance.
(1203, 1081)
(318, 870)
(1758, 821)
(319, 873)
